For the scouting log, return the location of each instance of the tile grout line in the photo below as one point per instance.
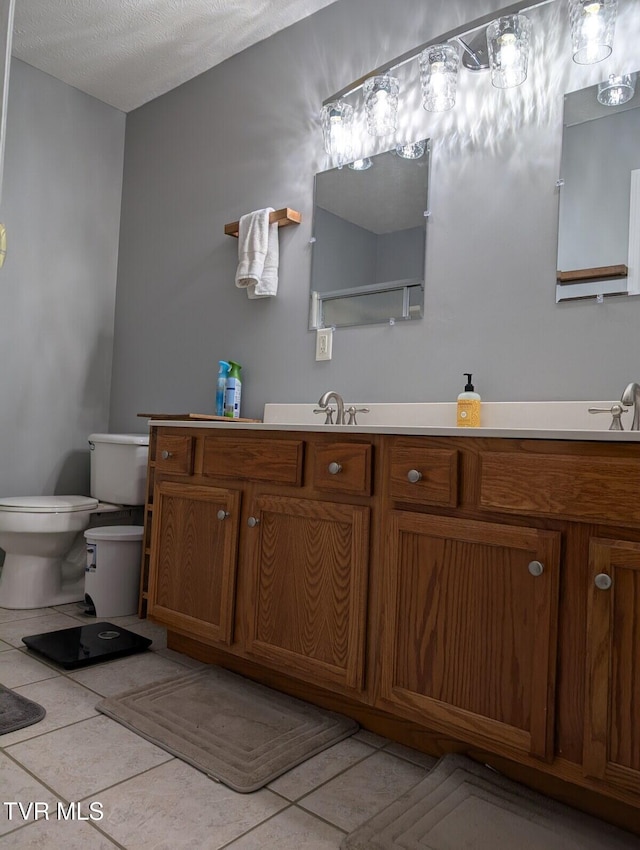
(288, 804)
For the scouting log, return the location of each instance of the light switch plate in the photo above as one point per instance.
(324, 343)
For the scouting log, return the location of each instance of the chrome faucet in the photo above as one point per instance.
(326, 398)
(631, 398)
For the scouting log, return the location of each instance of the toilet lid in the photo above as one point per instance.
(115, 532)
(48, 504)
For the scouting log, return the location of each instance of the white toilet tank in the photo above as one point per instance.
(119, 468)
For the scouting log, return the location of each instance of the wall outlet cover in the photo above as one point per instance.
(324, 343)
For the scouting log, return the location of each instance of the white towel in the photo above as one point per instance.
(258, 254)
(267, 286)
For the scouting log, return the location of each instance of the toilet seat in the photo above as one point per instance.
(48, 504)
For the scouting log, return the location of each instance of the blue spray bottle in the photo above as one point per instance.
(221, 387)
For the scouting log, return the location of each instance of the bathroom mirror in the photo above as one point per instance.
(368, 256)
(599, 213)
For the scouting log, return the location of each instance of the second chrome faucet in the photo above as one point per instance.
(631, 398)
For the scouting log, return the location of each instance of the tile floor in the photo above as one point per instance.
(148, 799)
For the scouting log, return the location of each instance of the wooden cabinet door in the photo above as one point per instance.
(611, 749)
(470, 633)
(310, 569)
(193, 559)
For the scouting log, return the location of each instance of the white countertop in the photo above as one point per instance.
(536, 420)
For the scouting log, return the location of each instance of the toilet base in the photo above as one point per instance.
(28, 581)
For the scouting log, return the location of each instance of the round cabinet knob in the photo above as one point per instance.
(166, 455)
(334, 468)
(536, 568)
(222, 514)
(603, 581)
(253, 521)
(413, 476)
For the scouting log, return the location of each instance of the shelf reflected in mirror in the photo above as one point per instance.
(599, 212)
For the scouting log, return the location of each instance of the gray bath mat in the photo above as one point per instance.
(235, 730)
(17, 711)
(464, 806)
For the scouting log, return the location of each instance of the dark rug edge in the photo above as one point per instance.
(36, 718)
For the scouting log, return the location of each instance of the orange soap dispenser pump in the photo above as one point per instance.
(468, 408)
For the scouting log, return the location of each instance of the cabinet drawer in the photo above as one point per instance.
(174, 454)
(342, 468)
(436, 471)
(594, 487)
(279, 461)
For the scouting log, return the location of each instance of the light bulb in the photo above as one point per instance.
(337, 118)
(508, 46)
(592, 29)
(439, 77)
(381, 102)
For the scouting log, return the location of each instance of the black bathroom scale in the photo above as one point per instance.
(84, 645)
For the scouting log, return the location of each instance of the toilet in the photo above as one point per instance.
(42, 536)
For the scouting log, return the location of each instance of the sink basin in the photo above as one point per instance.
(496, 415)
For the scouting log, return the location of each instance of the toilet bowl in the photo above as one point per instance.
(42, 535)
(36, 533)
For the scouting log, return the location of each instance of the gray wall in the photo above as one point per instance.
(61, 207)
(246, 135)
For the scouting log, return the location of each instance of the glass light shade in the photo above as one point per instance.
(508, 44)
(593, 25)
(439, 77)
(410, 150)
(381, 102)
(617, 89)
(337, 124)
(361, 164)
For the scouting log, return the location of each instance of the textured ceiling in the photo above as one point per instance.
(127, 52)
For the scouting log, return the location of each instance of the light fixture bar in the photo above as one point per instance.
(465, 29)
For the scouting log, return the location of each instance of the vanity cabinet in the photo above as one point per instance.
(194, 545)
(472, 610)
(611, 727)
(309, 569)
(455, 593)
(257, 545)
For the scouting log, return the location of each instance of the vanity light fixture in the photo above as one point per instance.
(616, 89)
(508, 45)
(381, 102)
(439, 77)
(498, 40)
(337, 124)
(361, 164)
(411, 150)
(592, 28)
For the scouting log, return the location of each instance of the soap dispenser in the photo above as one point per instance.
(221, 386)
(468, 409)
